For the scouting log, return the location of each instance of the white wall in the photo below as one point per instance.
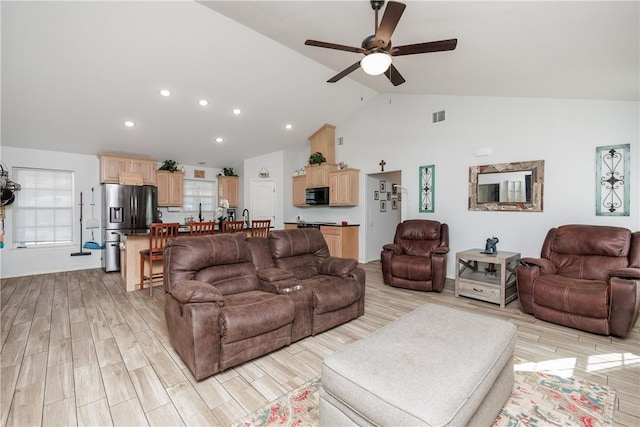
(563, 133)
(380, 227)
(21, 262)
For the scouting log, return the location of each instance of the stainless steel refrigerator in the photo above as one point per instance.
(126, 209)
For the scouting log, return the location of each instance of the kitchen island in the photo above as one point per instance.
(130, 246)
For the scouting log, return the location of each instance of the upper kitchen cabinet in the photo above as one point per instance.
(299, 190)
(170, 188)
(324, 141)
(228, 189)
(343, 187)
(318, 175)
(111, 165)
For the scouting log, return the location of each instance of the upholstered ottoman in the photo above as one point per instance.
(436, 366)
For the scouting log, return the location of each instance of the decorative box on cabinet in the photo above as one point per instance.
(299, 193)
(324, 141)
(228, 189)
(341, 240)
(111, 165)
(170, 188)
(343, 187)
(318, 175)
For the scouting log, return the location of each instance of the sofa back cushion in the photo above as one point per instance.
(587, 251)
(300, 251)
(418, 237)
(222, 260)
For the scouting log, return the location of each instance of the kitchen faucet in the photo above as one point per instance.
(200, 212)
(245, 215)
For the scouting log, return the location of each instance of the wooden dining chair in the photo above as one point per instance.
(201, 228)
(159, 234)
(232, 226)
(260, 227)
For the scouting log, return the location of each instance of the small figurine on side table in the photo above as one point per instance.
(490, 249)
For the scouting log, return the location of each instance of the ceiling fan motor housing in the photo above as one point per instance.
(370, 44)
(376, 4)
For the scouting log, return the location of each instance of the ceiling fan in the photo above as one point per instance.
(377, 48)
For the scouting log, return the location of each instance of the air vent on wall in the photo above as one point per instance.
(438, 116)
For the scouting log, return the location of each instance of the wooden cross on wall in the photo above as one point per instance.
(382, 163)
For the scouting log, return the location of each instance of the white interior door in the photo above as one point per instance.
(263, 200)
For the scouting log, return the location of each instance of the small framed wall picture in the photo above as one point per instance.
(376, 195)
(427, 187)
(389, 195)
(383, 205)
(383, 186)
(394, 203)
(394, 189)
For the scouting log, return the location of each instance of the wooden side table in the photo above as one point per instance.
(490, 278)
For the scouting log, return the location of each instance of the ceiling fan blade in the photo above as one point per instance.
(344, 72)
(394, 76)
(412, 49)
(390, 19)
(334, 46)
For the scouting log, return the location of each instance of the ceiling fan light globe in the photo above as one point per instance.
(375, 63)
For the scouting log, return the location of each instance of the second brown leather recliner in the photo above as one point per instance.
(417, 258)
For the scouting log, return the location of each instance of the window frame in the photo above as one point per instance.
(213, 197)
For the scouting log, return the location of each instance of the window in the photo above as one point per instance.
(43, 210)
(198, 192)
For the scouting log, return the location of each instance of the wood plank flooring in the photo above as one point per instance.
(78, 350)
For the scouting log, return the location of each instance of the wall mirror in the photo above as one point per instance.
(507, 187)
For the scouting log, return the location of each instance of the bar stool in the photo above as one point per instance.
(201, 228)
(159, 234)
(232, 226)
(260, 227)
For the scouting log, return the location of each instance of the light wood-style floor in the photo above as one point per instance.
(78, 350)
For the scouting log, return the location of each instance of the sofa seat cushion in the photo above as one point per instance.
(254, 313)
(584, 297)
(411, 267)
(332, 293)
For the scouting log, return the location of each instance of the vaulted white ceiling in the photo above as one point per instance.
(73, 72)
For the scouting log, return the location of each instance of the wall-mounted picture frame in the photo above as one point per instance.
(427, 187)
(376, 195)
(399, 196)
(612, 180)
(394, 189)
(394, 203)
(383, 205)
(383, 186)
(388, 195)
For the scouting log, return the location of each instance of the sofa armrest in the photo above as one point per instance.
(274, 274)
(335, 266)
(625, 273)
(191, 291)
(393, 247)
(440, 250)
(545, 266)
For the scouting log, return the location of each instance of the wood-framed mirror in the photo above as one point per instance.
(507, 187)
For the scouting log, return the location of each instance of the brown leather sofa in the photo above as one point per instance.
(220, 314)
(417, 258)
(587, 277)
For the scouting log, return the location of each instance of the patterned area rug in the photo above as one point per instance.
(538, 399)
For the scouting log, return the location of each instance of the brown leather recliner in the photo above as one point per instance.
(587, 277)
(417, 258)
(217, 314)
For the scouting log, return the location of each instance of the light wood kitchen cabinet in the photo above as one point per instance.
(228, 189)
(342, 241)
(299, 191)
(343, 187)
(170, 188)
(324, 141)
(111, 165)
(318, 175)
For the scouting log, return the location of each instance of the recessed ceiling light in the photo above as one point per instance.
(237, 111)
(288, 126)
(165, 92)
(203, 102)
(219, 139)
(129, 124)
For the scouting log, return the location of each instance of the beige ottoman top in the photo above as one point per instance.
(431, 367)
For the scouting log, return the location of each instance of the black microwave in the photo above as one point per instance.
(318, 196)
